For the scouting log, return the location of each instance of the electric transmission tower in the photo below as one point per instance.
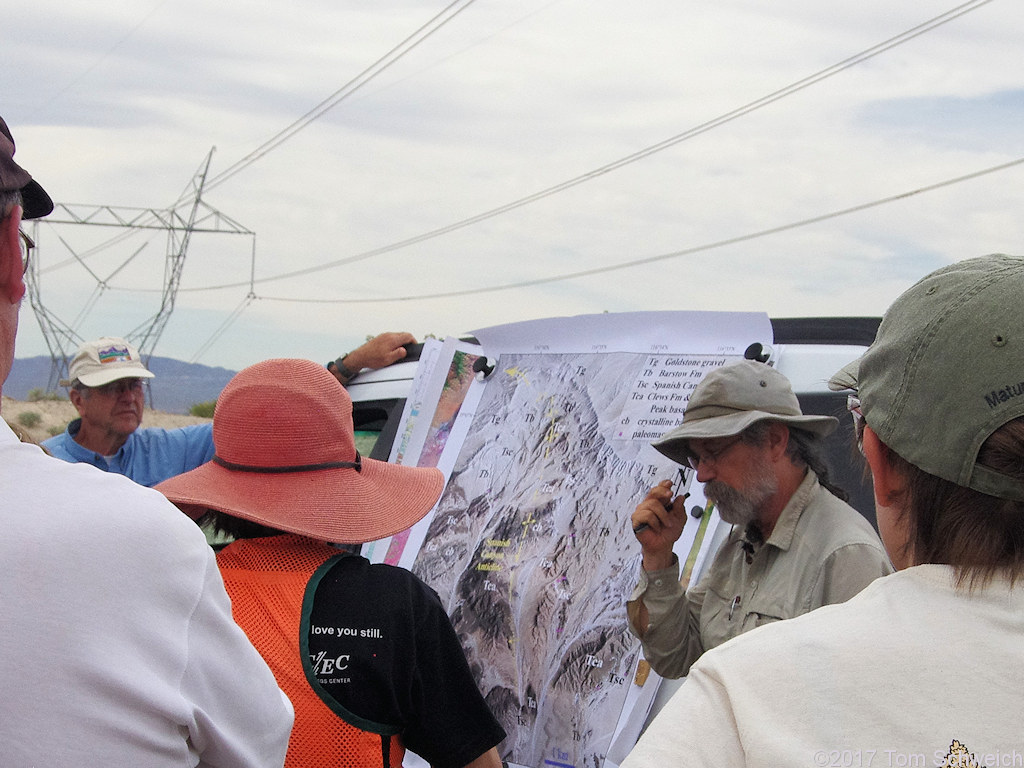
(189, 215)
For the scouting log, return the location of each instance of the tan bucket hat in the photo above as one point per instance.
(733, 397)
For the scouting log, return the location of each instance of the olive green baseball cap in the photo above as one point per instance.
(733, 397)
(946, 369)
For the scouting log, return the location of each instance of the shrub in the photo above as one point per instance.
(204, 410)
(37, 394)
(29, 419)
(56, 429)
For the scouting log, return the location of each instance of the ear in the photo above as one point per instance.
(12, 282)
(887, 481)
(76, 397)
(778, 440)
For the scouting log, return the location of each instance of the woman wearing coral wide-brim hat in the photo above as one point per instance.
(366, 653)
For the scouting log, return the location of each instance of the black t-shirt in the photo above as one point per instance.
(379, 649)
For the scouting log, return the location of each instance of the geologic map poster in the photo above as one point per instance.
(529, 546)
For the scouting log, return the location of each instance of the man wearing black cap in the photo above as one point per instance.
(118, 646)
(795, 545)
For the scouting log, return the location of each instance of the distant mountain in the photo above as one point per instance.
(176, 387)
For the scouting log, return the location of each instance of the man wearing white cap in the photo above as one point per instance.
(117, 647)
(106, 388)
(924, 666)
(105, 379)
(795, 544)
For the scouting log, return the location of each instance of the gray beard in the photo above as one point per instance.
(743, 506)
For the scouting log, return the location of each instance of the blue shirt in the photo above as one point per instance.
(148, 456)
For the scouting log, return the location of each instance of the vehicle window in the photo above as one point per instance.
(365, 440)
(846, 466)
(376, 424)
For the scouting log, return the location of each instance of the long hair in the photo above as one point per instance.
(235, 527)
(804, 450)
(978, 534)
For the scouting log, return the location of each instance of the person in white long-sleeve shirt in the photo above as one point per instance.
(117, 646)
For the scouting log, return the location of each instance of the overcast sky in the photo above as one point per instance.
(120, 103)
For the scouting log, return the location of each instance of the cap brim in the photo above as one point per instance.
(334, 505)
(675, 442)
(99, 378)
(35, 202)
(846, 378)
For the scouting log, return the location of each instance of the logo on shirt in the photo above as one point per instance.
(959, 757)
(324, 665)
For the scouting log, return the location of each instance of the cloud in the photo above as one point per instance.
(120, 104)
(953, 122)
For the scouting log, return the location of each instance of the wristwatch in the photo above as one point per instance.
(345, 374)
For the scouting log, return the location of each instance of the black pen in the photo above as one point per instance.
(645, 526)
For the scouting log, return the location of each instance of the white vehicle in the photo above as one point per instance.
(807, 350)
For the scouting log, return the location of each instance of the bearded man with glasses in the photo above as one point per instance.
(795, 544)
(922, 667)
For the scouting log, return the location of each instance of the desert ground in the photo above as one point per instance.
(55, 414)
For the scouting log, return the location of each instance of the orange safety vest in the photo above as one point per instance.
(266, 580)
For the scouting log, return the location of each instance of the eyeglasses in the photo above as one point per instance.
(119, 387)
(853, 406)
(27, 244)
(710, 455)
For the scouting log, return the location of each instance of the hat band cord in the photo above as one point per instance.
(357, 465)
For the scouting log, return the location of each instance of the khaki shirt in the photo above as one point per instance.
(821, 551)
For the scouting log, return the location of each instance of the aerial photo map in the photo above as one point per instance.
(530, 546)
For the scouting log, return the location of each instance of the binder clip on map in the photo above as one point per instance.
(482, 367)
(762, 353)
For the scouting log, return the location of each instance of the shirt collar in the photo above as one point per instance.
(7, 433)
(785, 526)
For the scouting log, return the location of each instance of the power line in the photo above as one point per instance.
(664, 256)
(384, 62)
(223, 327)
(735, 114)
(353, 85)
(104, 56)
